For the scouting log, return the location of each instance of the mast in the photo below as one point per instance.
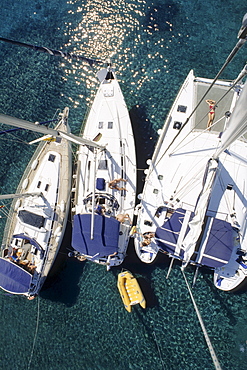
(19, 195)
(93, 194)
(12, 121)
(237, 127)
(197, 222)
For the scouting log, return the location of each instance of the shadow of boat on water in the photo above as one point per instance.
(62, 283)
(145, 140)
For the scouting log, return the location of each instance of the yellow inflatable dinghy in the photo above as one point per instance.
(130, 291)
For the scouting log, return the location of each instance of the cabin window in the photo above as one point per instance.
(182, 108)
(51, 158)
(39, 183)
(155, 191)
(177, 125)
(102, 165)
(46, 187)
(100, 124)
(229, 187)
(160, 177)
(110, 124)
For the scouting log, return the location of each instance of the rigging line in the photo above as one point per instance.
(157, 344)
(35, 335)
(5, 212)
(223, 96)
(199, 134)
(229, 58)
(185, 188)
(13, 139)
(8, 217)
(210, 347)
(234, 84)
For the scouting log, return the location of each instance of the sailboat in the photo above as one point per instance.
(105, 182)
(105, 179)
(38, 214)
(193, 204)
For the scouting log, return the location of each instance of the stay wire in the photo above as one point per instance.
(239, 44)
(158, 347)
(35, 335)
(210, 347)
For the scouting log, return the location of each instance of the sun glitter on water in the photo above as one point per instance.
(97, 36)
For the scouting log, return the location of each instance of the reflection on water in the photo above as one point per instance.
(100, 34)
(121, 31)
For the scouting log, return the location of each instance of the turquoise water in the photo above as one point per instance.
(82, 323)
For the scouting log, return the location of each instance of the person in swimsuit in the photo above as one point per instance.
(114, 184)
(211, 113)
(123, 217)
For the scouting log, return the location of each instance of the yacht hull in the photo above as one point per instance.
(37, 220)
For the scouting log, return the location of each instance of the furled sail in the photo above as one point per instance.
(197, 222)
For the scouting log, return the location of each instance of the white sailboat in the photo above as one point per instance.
(39, 211)
(103, 208)
(193, 205)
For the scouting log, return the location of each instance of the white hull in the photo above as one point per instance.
(36, 225)
(109, 120)
(193, 204)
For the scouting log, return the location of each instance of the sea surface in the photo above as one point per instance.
(79, 322)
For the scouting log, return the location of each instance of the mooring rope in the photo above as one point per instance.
(210, 347)
(157, 344)
(35, 335)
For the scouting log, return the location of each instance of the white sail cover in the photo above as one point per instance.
(197, 222)
(237, 123)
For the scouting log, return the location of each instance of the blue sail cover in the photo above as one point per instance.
(13, 278)
(219, 245)
(167, 235)
(106, 234)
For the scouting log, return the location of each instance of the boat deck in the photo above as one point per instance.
(53, 230)
(224, 105)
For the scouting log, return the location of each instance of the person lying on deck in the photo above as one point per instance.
(123, 217)
(113, 184)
